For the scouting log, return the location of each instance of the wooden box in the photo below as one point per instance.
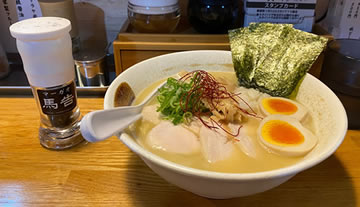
(131, 48)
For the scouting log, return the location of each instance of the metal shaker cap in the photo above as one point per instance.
(91, 65)
(89, 56)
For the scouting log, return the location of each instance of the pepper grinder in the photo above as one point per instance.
(45, 48)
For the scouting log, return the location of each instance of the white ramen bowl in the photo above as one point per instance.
(324, 106)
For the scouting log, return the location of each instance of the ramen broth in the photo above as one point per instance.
(238, 162)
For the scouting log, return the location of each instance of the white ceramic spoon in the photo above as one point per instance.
(102, 124)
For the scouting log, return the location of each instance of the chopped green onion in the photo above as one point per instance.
(172, 97)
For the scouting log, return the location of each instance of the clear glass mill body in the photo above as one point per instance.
(59, 116)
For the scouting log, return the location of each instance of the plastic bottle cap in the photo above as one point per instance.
(40, 28)
(44, 44)
(153, 3)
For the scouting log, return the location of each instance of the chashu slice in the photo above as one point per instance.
(215, 145)
(173, 139)
(244, 142)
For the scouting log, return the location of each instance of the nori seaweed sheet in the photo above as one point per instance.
(273, 57)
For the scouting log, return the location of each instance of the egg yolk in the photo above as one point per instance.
(278, 106)
(281, 133)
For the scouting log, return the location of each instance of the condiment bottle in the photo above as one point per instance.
(149, 16)
(91, 67)
(45, 47)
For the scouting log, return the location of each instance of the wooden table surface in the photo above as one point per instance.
(109, 174)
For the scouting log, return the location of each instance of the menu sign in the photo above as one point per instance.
(12, 11)
(300, 13)
(27, 9)
(342, 19)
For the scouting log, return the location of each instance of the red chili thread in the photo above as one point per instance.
(207, 88)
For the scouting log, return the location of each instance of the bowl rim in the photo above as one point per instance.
(281, 172)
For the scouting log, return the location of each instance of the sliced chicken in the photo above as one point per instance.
(174, 139)
(150, 114)
(215, 144)
(194, 126)
(244, 142)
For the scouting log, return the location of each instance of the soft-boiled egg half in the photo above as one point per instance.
(282, 106)
(285, 135)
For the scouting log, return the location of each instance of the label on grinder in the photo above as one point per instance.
(58, 100)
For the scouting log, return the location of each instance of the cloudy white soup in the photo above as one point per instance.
(248, 120)
(225, 134)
